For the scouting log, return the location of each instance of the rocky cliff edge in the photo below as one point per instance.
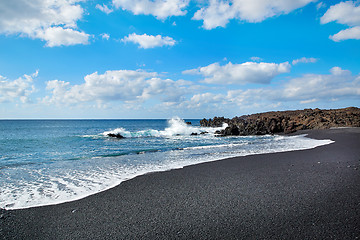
(285, 121)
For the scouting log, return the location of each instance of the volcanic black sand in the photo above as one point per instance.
(310, 194)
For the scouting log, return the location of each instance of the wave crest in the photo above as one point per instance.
(176, 127)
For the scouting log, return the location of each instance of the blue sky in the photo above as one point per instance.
(186, 58)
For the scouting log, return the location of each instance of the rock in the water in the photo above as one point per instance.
(117, 135)
(232, 130)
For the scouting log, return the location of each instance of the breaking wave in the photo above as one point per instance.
(176, 127)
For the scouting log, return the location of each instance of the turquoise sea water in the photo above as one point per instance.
(52, 161)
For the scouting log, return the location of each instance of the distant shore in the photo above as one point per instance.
(307, 194)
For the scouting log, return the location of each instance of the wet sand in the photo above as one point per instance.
(309, 194)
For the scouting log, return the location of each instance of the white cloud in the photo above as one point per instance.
(140, 89)
(105, 36)
(58, 36)
(219, 12)
(320, 5)
(216, 14)
(304, 60)
(161, 9)
(338, 85)
(19, 89)
(148, 41)
(104, 8)
(347, 13)
(338, 71)
(256, 59)
(205, 99)
(248, 72)
(122, 85)
(350, 33)
(308, 101)
(113, 85)
(42, 20)
(233, 99)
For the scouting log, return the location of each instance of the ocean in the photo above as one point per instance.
(45, 162)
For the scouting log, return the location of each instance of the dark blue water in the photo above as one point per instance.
(52, 161)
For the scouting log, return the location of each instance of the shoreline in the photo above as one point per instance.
(285, 195)
(169, 168)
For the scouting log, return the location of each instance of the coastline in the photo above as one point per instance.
(301, 194)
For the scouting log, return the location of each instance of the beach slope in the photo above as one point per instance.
(309, 194)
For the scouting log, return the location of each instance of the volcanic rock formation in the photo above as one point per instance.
(285, 121)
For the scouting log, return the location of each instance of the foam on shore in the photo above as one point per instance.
(61, 184)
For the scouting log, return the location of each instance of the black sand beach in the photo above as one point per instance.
(310, 194)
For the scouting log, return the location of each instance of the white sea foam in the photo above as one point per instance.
(128, 134)
(177, 127)
(230, 145)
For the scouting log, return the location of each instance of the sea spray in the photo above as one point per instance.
(176, 127)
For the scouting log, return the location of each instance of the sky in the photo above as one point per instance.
(127, 59)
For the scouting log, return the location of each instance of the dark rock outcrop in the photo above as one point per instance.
(215, 122)
(201, 133)
(118, 135)
(285, 121)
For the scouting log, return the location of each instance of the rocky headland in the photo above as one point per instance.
(285, 121)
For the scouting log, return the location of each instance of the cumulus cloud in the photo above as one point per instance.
(58, 36)
(213, 13)
(344, 13)
(104, 8)
(219, 12)
(161, 9)
(149, 41)
(304, 60)
(136, 88)
(248, 72)
(105, 36)
(18, 89)
(53, 21)
(216, 14)
(339, 85)
(120, 85)
(347, 13)
(205, 99)
(350, 33)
